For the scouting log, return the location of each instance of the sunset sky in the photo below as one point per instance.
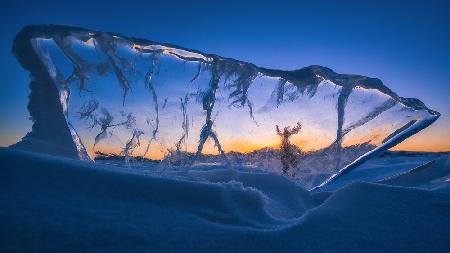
(405, 44)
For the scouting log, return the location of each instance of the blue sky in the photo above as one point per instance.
(404, 43)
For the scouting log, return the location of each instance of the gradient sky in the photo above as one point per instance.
(406, 44)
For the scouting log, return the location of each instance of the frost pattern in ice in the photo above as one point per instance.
(96, 94)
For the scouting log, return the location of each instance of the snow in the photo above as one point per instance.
(52, 204)
(434, 174)
(382, 167)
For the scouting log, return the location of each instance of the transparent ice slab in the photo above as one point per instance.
(97, 95)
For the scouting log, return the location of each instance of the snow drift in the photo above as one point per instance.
(386, 166)
(61, 205)
(434, 174)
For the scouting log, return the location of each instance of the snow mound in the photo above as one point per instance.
(219, 195)
(61, 205)
(433, 174)
(388, 165)
(365, 217)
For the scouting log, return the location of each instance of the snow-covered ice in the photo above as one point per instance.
(51, 204)
(387, 165)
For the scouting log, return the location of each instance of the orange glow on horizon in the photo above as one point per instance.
(158, 152)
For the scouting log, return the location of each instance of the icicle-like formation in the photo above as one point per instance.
(95, 92)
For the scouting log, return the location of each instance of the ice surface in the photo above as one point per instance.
(97, 94)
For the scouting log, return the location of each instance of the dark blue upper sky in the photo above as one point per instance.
(405, 44)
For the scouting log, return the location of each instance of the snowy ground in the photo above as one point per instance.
(387, 165)
(59, 205)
